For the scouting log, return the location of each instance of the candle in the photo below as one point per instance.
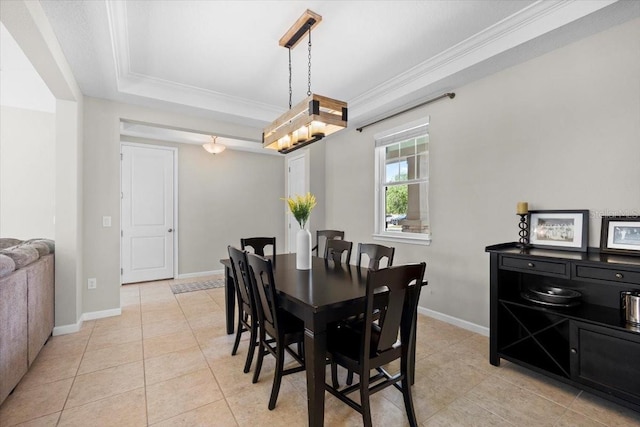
(522, 208)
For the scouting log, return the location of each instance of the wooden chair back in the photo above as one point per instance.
(261, 274)
(324, 236)
(258, 244)
(335, 249)
(375, 253)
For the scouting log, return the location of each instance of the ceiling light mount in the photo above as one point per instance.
(213, 147)
(316, 116)
(306, 22)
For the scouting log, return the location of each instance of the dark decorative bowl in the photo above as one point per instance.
(554, 294)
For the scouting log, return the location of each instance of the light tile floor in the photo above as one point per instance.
(166, 361)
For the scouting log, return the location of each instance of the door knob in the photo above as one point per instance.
(170, 230)
(574, 351)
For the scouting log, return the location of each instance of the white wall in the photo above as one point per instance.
(221, 198)
(561, 131)
(27, 174)
(29, 27)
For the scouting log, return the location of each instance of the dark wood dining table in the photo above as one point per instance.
(319, 296)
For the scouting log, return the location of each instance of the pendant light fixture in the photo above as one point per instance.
(213, 147)
(313, 118)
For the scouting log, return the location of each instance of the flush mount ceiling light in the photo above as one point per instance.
(213, 147)
(316, 116)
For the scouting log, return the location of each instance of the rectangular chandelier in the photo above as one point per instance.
(313, 118)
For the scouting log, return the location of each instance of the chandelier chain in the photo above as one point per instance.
(290, 90)
(309, 80)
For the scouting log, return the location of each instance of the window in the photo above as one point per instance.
(402, 184)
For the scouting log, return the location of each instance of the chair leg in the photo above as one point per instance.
(277, 376)
(252, 346)
(334, 375)
(261, 351)
(238, 335)
(408, 402)
(364, 400)
(349, 377)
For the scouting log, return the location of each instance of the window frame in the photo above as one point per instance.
(380, 232)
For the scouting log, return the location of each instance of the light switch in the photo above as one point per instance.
(106, 221)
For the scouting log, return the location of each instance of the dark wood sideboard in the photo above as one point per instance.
(589, 346)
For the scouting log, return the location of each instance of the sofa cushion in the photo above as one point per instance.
(7, 242)
(21, 255)
(39, 245)
(50, 244)
(7, 265)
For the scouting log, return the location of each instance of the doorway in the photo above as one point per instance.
(148, 212)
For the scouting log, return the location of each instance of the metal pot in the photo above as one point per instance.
(630, 306)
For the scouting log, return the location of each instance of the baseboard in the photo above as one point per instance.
(92, 315)
(199, 274)
(68, 329)
(455, 321)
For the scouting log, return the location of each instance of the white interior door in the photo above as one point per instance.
(297, 185)
(147, 237)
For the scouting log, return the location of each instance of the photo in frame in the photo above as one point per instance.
(559, 229)
(620, 235)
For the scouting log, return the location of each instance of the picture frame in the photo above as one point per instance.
(566, 230)
(620, 235)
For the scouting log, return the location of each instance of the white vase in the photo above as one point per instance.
(303, 250)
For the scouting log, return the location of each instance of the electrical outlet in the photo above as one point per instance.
(92, 283)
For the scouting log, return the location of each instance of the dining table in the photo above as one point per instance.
(324, 294)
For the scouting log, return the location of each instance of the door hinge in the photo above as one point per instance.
(121, 195)
(120, 156)
(121, 233)
(121, 271)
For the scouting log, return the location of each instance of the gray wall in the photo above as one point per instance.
(221, 198)
(27, 174)
(561, 131)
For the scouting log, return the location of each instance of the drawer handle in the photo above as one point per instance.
(619, 275)
(530, 265)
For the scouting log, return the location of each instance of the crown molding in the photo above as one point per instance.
(131, 83)
(529, 23)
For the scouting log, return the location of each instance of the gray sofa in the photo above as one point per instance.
(26, 306)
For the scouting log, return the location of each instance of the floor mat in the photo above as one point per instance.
(197, 286)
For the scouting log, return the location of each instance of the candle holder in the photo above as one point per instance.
(524, 232)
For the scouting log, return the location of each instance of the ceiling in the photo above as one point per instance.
(221, 59)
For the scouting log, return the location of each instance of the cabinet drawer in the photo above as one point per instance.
(547, 268)
(609, 274)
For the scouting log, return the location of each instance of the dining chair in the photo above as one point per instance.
(278, 328)
(258, 244)
(369, 346)
(335, 250)
(326, 235)
(375, 253)
(247, 314)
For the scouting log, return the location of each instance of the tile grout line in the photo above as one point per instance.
(144, 371)
(224, 396)
(76, 374)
